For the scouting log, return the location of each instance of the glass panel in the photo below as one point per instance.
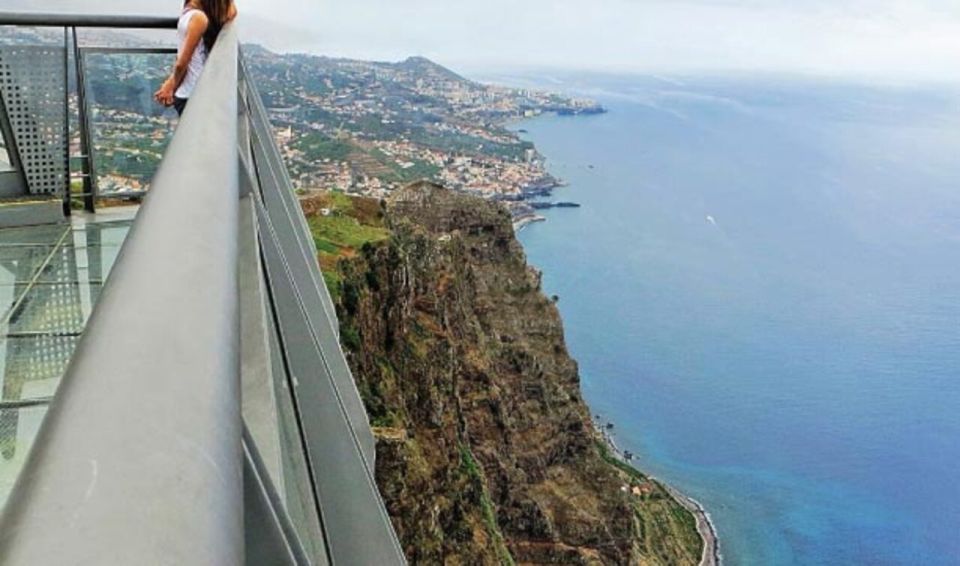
(278, 441)
(102, 233)
(9, 294)
(48, 234)
(89, 258)
(130, 131)
(295, 486)
(93, 264)
(50, 279)
(51, 309)
(18, 429)
(18, 264)
(31, 366)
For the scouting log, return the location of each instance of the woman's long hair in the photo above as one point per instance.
(216, 11)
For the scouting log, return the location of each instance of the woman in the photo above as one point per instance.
(200, 23)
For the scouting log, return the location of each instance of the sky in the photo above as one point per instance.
(889, 40)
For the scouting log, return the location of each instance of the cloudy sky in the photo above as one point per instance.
(896, 40)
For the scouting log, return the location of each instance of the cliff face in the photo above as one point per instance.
(486, 452)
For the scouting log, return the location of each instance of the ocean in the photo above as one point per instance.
(762, 288)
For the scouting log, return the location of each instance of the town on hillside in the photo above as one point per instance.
(370, 128)
(360, 127)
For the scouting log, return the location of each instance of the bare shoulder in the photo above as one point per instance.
(199, 20)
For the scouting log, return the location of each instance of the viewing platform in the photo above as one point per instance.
(50, 280)
(173, 387)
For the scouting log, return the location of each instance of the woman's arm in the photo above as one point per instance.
(231, 11)
(195, 29)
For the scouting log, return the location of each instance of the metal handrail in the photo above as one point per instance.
(139, 458)
(39, 19)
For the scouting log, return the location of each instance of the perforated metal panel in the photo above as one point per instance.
(33, 87)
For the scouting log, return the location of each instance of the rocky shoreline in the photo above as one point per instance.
(708, 532)
(711, 547)
(521, 222)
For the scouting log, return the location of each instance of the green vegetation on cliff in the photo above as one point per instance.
(660, 516)
(489, 513)
(486, 453)
(341, 226)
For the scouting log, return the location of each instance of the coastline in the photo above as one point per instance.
(708, 532)
(521, 222)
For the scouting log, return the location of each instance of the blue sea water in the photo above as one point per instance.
(762, 288)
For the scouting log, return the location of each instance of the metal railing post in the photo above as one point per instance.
(88, 169)
(66, 120)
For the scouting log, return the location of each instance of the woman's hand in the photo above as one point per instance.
(165, 94)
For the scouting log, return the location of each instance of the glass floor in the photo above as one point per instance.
(50, 278)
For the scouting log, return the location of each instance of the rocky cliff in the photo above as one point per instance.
(486, 453)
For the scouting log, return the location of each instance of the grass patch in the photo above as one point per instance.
(342, 225)
(473, 471)
(333, 233)
(327, 246)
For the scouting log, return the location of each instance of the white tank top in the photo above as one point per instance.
(195, 66)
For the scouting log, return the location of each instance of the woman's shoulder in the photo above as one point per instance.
(197, 16)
